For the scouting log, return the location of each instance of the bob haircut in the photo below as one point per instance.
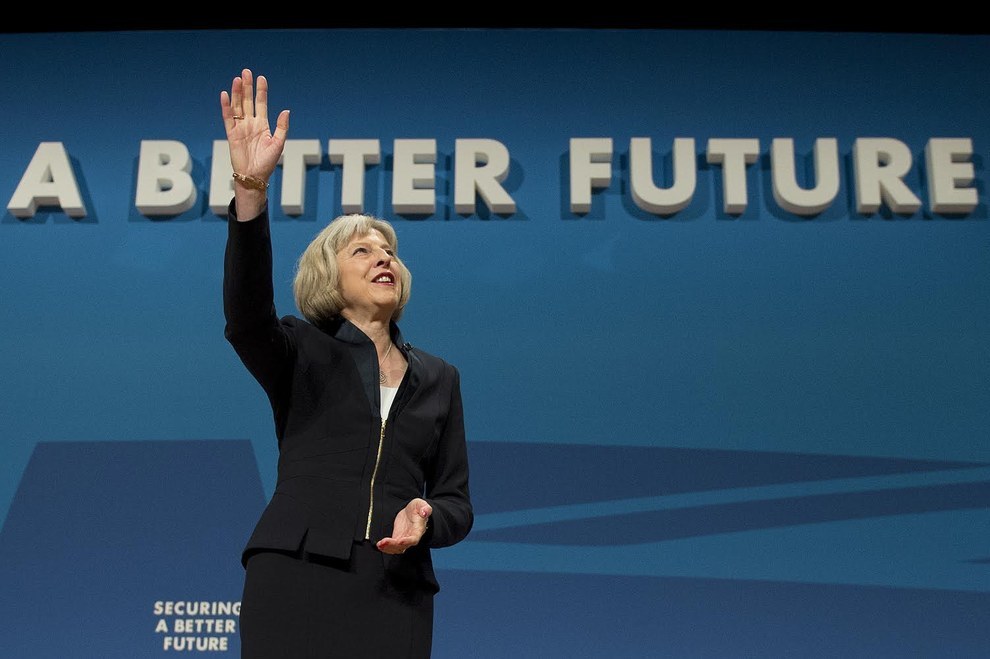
(317, 282)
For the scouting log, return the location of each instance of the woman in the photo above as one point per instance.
(372, 469)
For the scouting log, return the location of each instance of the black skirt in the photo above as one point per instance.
(302, 606)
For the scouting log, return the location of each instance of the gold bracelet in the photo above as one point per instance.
(251, 182)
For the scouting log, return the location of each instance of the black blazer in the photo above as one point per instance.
(343, 473)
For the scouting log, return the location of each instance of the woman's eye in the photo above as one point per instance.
(361, 250)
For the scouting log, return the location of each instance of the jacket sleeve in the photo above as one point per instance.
(252, 326)
(447, 478)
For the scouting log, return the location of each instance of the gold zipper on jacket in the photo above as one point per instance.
(371, 494)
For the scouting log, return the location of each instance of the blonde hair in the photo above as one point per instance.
(317, 282)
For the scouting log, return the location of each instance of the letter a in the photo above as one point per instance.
(47, 181)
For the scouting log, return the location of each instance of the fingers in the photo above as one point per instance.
(231, 104)
(393, 547)
(420, 507)
(240, 103)
(236, 96)
(247, 95)
(225, 109)
(281, 126)
(248, 98)
(261, 98)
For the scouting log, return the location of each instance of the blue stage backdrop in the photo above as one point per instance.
(719, 299)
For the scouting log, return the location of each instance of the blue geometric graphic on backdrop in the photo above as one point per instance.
(719, 491)
(98, 532)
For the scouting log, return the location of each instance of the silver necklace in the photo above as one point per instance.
(381, 371)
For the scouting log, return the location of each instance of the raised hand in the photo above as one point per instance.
(254, 149)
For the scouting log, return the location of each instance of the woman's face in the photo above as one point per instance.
(369, 276)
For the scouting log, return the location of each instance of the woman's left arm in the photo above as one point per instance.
(445, 516)
(447, 478)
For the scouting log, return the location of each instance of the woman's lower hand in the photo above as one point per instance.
(410, 525)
